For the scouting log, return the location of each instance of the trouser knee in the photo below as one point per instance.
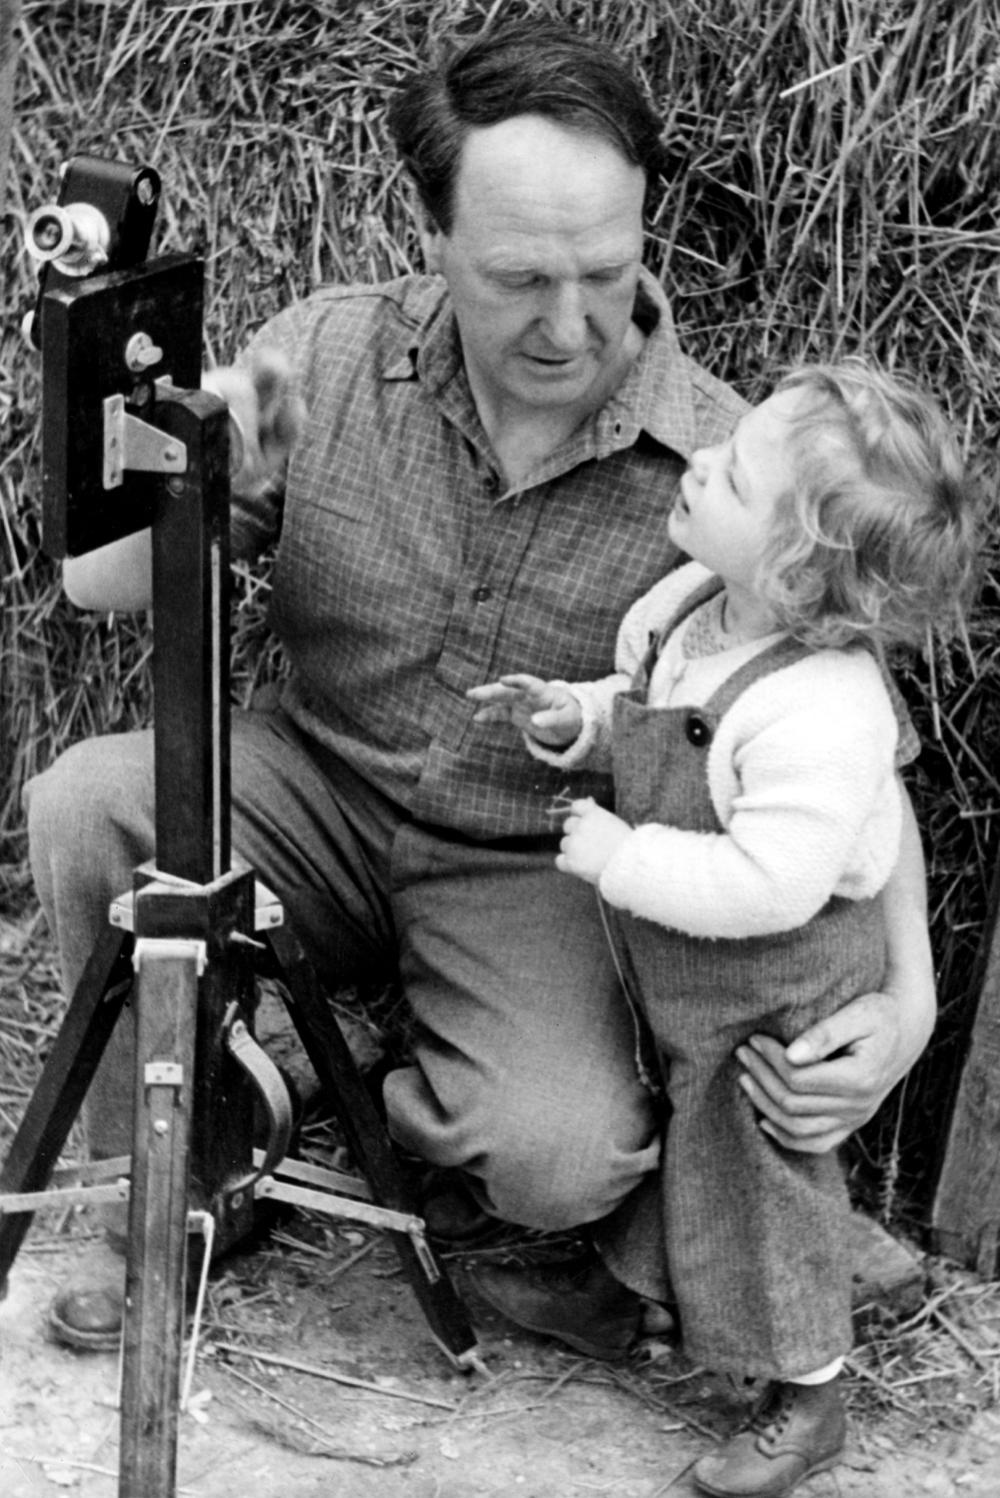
(549, 1184)
(93, 802)
(548, 1167)
(89, 824)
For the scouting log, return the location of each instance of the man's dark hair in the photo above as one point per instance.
(532, 66)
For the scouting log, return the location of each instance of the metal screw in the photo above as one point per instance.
(141, 353)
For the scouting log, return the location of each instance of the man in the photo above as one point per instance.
(482, 466)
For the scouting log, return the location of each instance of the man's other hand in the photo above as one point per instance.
(266, 410)
(833, 1077)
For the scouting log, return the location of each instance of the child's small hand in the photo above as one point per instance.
(591, 836)
(545, 710)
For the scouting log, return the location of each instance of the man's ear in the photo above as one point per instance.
(431, 239)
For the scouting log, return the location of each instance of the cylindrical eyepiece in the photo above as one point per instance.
(74, 239)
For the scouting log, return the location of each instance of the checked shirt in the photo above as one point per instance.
(406, 572)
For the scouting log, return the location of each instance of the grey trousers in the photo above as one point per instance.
(523, 1069)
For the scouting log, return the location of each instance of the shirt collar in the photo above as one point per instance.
(655, 397)
(426, 345)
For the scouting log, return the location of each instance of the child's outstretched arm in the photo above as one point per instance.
(546, 711)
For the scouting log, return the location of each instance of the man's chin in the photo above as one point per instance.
(544, 383)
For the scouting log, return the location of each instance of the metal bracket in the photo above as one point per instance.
(177, 949)
(321, 1193)
(135, 445)
(268, 909)
(122, 912)
(163, 1074)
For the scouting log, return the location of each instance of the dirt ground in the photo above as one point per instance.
(316, 1374)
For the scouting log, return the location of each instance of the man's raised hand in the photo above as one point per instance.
(267, 411)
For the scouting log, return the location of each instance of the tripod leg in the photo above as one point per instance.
(366, 1138)
(166, 1004)
(58, 1096)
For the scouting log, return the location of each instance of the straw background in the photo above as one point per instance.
(833, 182)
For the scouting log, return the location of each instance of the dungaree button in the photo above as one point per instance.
(697, 731)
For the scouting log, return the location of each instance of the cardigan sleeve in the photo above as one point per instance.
(810, 778)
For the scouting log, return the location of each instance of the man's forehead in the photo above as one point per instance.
(531, 148)
(528, 179)
(599, 242)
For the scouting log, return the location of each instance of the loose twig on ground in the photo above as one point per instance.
(316, 1371)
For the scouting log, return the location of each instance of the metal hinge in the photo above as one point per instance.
(132, 444)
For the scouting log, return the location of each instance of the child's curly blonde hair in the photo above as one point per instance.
(877, 541)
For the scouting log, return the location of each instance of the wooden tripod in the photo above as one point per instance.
(183, 942)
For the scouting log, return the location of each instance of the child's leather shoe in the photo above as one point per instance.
(797, 1430)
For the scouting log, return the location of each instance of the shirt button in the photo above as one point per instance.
(491, 483)
(483, 593)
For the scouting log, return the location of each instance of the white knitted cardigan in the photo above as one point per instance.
(800, 773)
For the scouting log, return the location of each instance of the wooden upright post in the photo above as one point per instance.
(966, 1210)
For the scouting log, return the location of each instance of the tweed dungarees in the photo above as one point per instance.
(753, 1233)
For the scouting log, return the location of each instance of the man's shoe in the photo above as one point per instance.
(452, 1215)
(89, 1319)
(798, 1430)
(581, 1304)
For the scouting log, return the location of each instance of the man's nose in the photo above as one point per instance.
(565, 318)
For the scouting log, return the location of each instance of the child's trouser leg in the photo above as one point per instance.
(752, 1233)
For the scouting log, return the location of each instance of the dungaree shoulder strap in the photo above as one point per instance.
(658, 637)
(777, 655)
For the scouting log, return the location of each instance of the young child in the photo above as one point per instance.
(752, 742)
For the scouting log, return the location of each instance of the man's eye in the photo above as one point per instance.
(516, 280)
(608, 276)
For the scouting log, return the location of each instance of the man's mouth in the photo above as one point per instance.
(554, 361)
